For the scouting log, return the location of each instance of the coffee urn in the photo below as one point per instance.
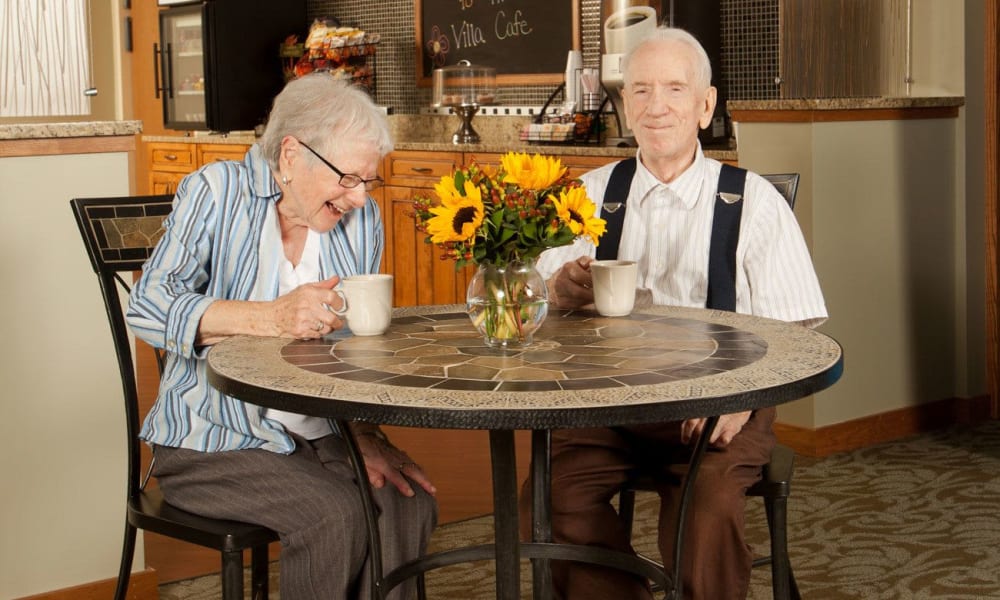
(624, 23)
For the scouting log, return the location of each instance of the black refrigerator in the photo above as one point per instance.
(218, 64)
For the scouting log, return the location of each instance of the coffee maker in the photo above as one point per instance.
(624, 23)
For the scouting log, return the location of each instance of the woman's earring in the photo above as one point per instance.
(285, 180)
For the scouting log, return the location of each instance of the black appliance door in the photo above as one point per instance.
(243, 70)
(182, 67)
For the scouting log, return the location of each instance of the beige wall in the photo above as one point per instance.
(882, 204)
(938, 51)
(62, 435)
(893, 214)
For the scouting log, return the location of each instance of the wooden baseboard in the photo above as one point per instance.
(143, 585)
(883, 427)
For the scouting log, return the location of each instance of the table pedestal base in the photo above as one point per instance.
(507, 549)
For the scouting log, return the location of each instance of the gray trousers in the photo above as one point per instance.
(311, 499)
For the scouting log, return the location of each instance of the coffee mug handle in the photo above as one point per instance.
(343, 303)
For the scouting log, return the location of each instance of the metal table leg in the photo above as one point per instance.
(687, 490)
(507, 544)
(371, 515)
(541, 510)
(507, 549)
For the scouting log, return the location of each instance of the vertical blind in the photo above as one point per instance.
(44, 58)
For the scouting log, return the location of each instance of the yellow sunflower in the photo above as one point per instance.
(531, 173)
(577, 211)
(459, 216)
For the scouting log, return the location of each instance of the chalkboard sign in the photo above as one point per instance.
(526, 41)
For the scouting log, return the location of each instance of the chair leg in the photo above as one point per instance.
(258, 572)
(125, 568)
(781, 569)
(421, 587)
(232, 576)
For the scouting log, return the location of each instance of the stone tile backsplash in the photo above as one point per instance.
(749, 49)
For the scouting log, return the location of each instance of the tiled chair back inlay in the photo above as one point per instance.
(127, 233)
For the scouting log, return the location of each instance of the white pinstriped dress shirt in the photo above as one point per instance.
(667, 231)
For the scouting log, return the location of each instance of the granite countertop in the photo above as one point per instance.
(34, 131)
(235, 137)
(432, 133)
(845, 103)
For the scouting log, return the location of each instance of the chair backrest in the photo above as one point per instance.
(120, 234)
(787, 184)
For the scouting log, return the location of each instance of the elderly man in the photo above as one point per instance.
(670, 198)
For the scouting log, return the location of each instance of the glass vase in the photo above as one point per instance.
(507, 304)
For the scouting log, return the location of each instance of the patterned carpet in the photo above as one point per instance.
(913, 519)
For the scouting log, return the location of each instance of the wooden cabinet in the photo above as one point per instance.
(208, 153)
(422, 274)
(169, 162)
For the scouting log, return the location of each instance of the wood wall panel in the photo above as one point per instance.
(142, 586)
(458, 463)
(883, 427)
(992, 201)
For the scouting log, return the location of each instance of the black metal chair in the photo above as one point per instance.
(787, 184)
(776, 482)
(120, 234)
(774, 487)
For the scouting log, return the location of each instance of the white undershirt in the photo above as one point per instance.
(289, 278)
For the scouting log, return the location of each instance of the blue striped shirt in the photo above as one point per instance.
(210, 251)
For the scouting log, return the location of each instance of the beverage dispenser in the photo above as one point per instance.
(625, 22)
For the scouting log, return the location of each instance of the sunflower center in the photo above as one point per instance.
(575, 216)
(466, 214)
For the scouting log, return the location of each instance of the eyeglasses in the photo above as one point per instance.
(348, 180)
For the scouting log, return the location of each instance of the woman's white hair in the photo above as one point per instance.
(324, 112)
(702, 66)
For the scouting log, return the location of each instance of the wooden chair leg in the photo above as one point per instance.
(232, 576)
(258, 573)
(125, 567)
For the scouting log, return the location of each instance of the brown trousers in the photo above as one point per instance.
(590, 466)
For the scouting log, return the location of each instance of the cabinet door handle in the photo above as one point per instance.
(170, 156)
(421, 170)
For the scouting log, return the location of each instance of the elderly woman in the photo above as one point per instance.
(256, 247)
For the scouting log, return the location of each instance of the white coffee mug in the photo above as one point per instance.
(614, 286)
(367, 303)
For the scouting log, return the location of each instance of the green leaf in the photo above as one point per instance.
(505, 234)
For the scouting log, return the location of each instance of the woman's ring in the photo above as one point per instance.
(404, 464)
(319, 325)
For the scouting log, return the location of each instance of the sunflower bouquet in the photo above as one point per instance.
(509, 215)
(501, 220)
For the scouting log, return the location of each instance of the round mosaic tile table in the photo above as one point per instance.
(430, 369)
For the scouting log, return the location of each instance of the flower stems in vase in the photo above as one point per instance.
(507, 304)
